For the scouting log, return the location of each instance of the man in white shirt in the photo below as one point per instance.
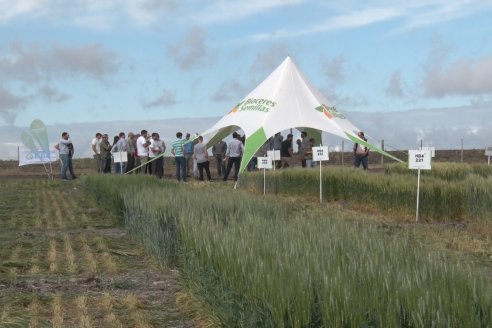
(96, 151)
(143, 151)
(233, 156)
(65, 147)
(156, 149)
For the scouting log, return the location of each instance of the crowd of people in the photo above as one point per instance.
(143, 153)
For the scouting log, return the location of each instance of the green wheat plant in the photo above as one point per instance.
(259, 263)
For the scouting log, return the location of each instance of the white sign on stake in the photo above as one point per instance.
(274, 155)
(320, 154)
(488, 152)
(264, 163)
(120, 157)
(419, 160)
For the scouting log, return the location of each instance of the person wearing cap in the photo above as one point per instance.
(361, 153)
(105, 147)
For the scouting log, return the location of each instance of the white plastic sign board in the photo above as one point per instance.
(488, 151)
(419, 159)
(28, 157)
(264, 163)
(120, 157)
(320, 153)
(274, 155)
(431, 149)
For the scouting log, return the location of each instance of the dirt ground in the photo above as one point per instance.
(64, 262)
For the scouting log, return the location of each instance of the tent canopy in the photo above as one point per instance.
(285, 99)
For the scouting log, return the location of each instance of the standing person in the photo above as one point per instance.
(277, 141)
(130, 152)
(178, 151)
(200, 154)
(286, 152)
(105, 154)
(119, 146)
(96, 152)
(308, 154)
(66, 150)
(304, 146)
(233, 156)
(277, 145)
(219, 151)
(157, 148)
(361, 153)
(188, 153)
(143, 151)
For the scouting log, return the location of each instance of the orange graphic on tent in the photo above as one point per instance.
(236, 108)
(324, 110)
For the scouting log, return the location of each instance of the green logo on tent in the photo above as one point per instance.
(329, 112)
(254, 104)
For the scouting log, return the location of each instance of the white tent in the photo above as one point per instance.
(284, 100)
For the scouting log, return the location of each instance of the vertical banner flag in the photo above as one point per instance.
(36, 146)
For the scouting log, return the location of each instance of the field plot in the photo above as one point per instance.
(65, 262)
(278, 262)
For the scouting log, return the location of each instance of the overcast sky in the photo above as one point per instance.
(66, 61)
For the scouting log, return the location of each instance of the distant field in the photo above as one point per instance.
(473, 156)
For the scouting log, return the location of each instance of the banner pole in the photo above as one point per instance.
(488, 163)
(418, 193)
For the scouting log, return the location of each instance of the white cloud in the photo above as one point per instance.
(230, 91)
(87, 13)
(33, 63)
(32, 68)
(465, 76)
(334, 69)
(410, 15)
(266, 61)
(434, 12)
(219, 11)
(192, 51)
(11, 105)
(167, 98)
(146, 12)
(395, 88)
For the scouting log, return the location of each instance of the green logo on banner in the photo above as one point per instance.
(329, 112)
(254, 104)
